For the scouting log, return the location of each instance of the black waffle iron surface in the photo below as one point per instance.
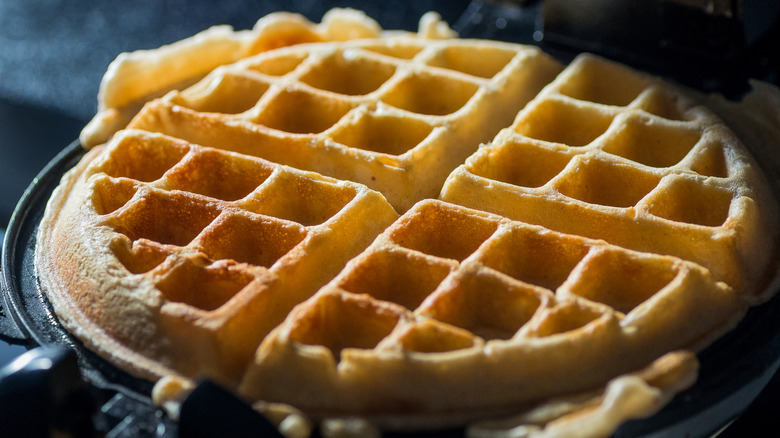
(733, 371)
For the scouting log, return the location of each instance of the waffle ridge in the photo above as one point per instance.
(415, 231)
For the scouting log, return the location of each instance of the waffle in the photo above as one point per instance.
(406, 231)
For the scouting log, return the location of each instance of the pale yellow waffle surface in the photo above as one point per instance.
(196, 253)
(568, 239)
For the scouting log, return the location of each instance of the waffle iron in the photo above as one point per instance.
(87, 396)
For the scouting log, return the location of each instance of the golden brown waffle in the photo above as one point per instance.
(202, 251)
(246, 229)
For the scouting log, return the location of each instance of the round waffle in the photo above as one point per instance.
(246, 229)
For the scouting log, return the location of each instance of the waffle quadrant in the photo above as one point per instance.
(449, 294)
(371, 229)
(638, 164)
(396, 117)
(203, 264)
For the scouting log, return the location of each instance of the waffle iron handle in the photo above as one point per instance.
(9, 330)
(210, 411)
(42, 395)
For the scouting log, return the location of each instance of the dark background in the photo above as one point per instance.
(54, 53)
